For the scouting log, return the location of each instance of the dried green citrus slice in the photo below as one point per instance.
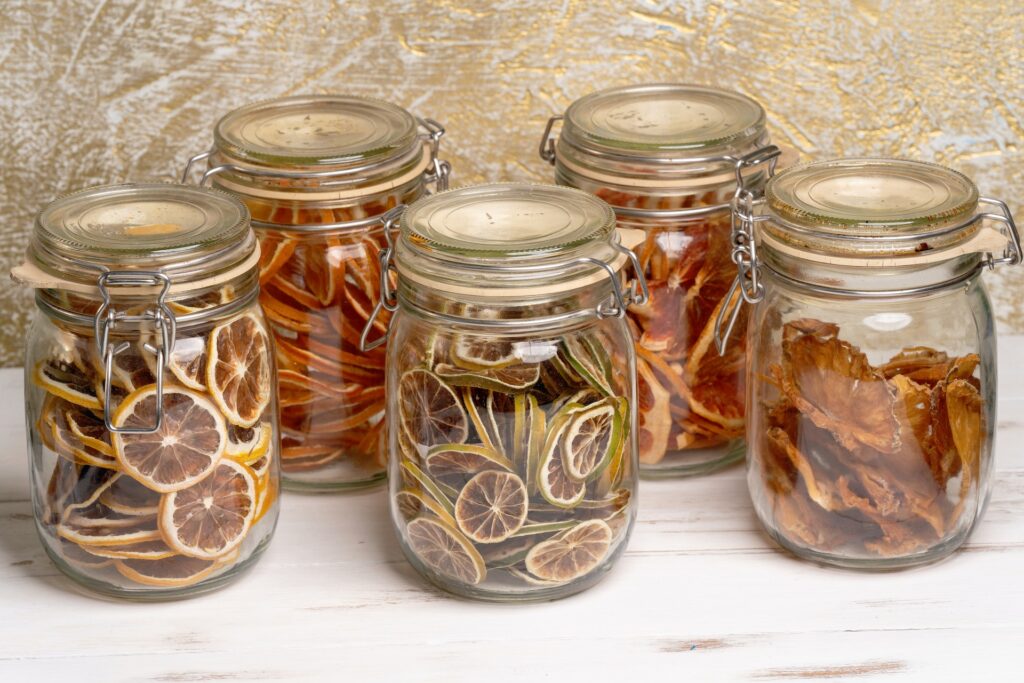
(590, 361)
(492, 506)
(535, 447)
(591, 438)
(420, 477)
(482, 430)
(189, 444)
(238, 369)
(429, 410)
(512, 378)
(67, 381)
(571, 553)
(454, 464)
(412, 503)
(212, 517)
(446, 551)
(554, 484)
(474, 352)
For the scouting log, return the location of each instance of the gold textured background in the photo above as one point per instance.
(107, 91)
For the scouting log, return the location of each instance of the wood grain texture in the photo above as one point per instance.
(700, 595)
(110, 90)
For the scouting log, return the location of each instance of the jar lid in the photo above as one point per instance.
(664, 119)
(872, 206)
(188, 233)
(315, 130)
(507, 240)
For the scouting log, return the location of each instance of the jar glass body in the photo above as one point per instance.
(318, 288)
(871, 419)
(483, 422)
(123, 523)
(691, 399)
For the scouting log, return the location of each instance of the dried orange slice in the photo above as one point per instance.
(249, 444)
(238, 370)
(571, 553)
(189, 444)
(210, 518)
(492, 506)
(65, 380)
(446, 551)
(430, 410)
(171, 572)
(274, 253)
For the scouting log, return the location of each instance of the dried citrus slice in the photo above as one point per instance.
(414, 474)
(589, 360)
(483, 433)
(429, 410)
(188, 362)
(210, 518)
(69, 446)
(128, 497)
(412, 503)
(511, 378)
(249, 444)
(445, 551)
(67, 381)
(274, 253)
(654, 415)
(171, 572)
(77, 555)
(454, 464)
(238, 369)
(535, 447)
(492, 506)
(474, 352)
(555, 485)
(143, 550)
(571, 553)
(591, 437)
(88, 429)
(97, 525)
(186, 448)
(130, 370)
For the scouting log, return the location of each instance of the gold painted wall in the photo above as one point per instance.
(112, 90)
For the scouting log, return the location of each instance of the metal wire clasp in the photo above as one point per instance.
(107, 318)
(387, 301)
(744, 246)
(1012, 254)
(441, 171)
(547, 141)
(636, 293)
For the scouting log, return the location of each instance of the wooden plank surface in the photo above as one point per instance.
(700, 595)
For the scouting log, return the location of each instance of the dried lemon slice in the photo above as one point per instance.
(189, 444)
(210, 518)
(571, 553)
(492, 506)
(445, 551)
(591, 437)
(238, 370)
(187, 362)
(429, 410)
(143, 550)
(249, 444)
(64, 380)
(455, 463)
(171, 572)
(89, 429)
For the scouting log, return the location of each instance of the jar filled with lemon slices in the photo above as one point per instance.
(153, 433)
(671, 159)
(511, 390)
(317, 173)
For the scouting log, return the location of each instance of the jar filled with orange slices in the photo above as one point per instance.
(511, 390)
(670, 159)
(153, 434)
(873, 358)
(317, 173)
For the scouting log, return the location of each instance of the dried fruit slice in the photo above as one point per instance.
(591, 437)
(97, 525)
(572, 553)
(492, 506)
(412, 503)
(69, 446)
(474, 352)
(481, 428)
(64, 380)
(128, 497)
(454, 464)
(171, 572)
(249, 444)
(555, 485)
(275, 251)
(238, 370)
(130, 370)
(513, 378)
(590, 361)
(144, 550)
(417, 475)
(189, 444)
(429, 410)
(446, 551)
(188, 362)
(89, 430)
(210, 518)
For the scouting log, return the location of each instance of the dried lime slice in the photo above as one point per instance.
(500, 416)
(474, 352)
(492, 506)
(512, 378)
(571, 553)
(520, 447)
(555, 485)
(455, 464)
(410, 468)
(619, 463)
(591, 438)
(545, 527)
(590, 361)
(473, 411)
(413, 503)
(538, 433)
(508, 553)
(430, 410)
(446, 551)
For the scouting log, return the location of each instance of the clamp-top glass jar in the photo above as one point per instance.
(317, 173)
(873, 359)
(152, 427)
(511, 391)
(671, 159)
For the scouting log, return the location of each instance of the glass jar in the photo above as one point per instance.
(317, 173)
(152, 425)
(872, 405)
(669, 159)
(511, 391)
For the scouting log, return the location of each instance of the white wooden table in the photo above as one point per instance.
(701, 595)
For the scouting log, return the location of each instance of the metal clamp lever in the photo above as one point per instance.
(107, 319)
(1013, 254)
(387, 300)
(440, 170)
(547, 141)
